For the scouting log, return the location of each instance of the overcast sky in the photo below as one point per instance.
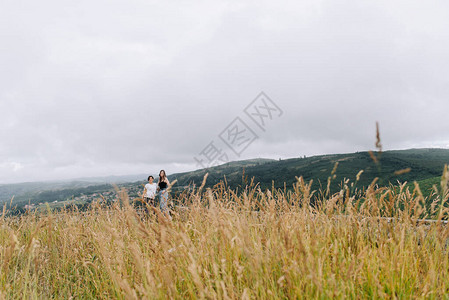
(97, 88)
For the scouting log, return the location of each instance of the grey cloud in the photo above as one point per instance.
(122, 88)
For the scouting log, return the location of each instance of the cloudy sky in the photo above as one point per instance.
(97, 88)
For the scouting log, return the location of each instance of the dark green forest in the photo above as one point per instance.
(422, 165)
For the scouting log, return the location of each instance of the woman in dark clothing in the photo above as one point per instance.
(163, 184)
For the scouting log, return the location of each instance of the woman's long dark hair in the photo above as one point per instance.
(165, 175)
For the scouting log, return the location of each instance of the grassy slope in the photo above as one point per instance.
(424, 164)
(221, 248)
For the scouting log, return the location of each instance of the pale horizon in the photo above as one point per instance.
(181, 170)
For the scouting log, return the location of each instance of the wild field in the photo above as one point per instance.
(227, 244)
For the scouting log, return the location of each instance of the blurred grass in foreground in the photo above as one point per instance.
(223, 244)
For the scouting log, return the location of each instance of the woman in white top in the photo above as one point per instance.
(149, 193)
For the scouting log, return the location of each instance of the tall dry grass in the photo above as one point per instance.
(224, 245)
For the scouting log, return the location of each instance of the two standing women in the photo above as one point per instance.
(151, 189)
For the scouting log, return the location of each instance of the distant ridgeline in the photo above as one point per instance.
(422, 165)
(416, 165)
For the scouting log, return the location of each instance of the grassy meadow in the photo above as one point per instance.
(222, 243)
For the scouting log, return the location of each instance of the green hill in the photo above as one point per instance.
(423, 164)
(426, 167)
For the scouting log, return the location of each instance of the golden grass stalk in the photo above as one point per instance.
(226, 245)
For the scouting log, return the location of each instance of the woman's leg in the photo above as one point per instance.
(164, 201)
